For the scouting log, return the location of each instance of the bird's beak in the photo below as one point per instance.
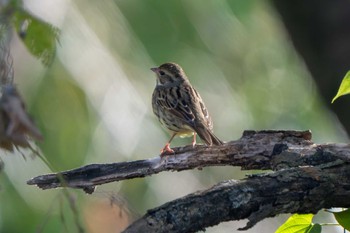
(155, 69)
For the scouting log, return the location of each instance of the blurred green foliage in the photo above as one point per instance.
(39, 37)
(63, 114)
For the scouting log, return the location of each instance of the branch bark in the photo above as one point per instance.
(307, 177)
(252, 151)
(295, 190)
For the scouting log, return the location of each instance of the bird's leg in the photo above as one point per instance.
(194, 139)
(167, 149)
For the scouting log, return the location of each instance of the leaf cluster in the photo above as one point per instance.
(38, 36)
(302, 223)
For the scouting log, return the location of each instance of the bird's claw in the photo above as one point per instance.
(167, 150)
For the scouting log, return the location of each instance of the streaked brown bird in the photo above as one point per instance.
(180, 108)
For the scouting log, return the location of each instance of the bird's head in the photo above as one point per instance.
(169, 73)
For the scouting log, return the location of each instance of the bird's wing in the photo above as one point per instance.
(189, 109)
(178, 103)
(207, 119)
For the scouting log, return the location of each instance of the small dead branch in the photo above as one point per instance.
(15, 124)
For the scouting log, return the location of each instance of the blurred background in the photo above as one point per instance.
(93, 104)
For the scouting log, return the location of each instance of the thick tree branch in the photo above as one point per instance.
(307, 178)
(295, 190)
(254, 150)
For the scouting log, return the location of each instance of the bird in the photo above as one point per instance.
(180, 108)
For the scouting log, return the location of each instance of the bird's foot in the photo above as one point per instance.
(193, 144)
(166, 150)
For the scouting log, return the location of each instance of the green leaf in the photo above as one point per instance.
(344, 88)
(315, 228)
(38, 36)
(343, 218)
(297, 223)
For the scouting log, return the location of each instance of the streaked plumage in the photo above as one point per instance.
(179, 106)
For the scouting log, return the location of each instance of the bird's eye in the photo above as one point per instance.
(161, 72)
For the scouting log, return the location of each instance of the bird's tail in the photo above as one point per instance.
(215, 140)
(208, 137)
